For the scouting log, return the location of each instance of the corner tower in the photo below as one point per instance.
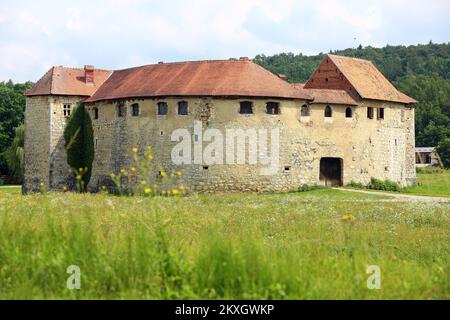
(49, 104)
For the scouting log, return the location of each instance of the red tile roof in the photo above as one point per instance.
(67, 81)
(329, 95)
(368, 81)
(237, 78)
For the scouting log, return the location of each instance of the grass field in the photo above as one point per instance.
(432, 184)
(274, 246)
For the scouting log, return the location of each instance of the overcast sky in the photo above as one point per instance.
(114, 34)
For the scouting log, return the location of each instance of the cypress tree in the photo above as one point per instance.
(79, 143)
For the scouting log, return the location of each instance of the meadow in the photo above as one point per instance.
(303, 245)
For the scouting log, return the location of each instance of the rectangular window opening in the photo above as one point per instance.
(66, 110)
(369, 112)
(246, 107)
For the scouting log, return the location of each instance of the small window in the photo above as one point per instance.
(182, 108)
(135, 109)
(95, 111)
(328, 112)
(369, 112)
(287, 168)
(162, 108)
(246, 107)
(305, 111)
(120, 109)
(205, 167)
(380, 113)
(273, 108)
(66, 110)
(348, 112)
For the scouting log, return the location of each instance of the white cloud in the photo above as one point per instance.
(34, 35)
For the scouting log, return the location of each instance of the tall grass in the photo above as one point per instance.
(273, 246)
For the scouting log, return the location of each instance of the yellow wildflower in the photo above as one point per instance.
(347, 217)
(181, 187)
(123, 171)
(65, 188)
(147, 190)
(175, 192)
(78, 177)
(143, 182)
(134, 150)
(162, 174)
(178, 173)
(133, 169)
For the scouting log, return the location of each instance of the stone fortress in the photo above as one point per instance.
(346, 123)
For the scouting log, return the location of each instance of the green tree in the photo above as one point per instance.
(443, 149)
(12, 106)
(14, 153)
(79, 138)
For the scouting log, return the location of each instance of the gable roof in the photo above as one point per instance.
(367, 80)
(67, 81)
(237, 78)
(331, 96)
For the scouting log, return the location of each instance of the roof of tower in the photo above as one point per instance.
(67, 81)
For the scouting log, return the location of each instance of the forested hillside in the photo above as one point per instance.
(422, 72)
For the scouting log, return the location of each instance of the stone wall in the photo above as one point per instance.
(45, 157)
(368, 148)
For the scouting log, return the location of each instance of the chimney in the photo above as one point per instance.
(283, 76)
(243, 58)
(160, 62)
(89, 74)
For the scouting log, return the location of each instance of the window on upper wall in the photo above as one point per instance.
(135, 109)
(183, 108)
(162, 108)
(369, 112)
(66, 110)
(95, 111)
(273, 108)
(246, 107)
(121, 109)
(348, 112)
(380, 113)
(304, 111)
(328, 112)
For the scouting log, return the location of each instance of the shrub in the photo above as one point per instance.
(358, 185)
(385, 185)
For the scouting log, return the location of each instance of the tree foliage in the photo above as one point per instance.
(79, 143)
(12, 106)
(14, 153)
(422, 72)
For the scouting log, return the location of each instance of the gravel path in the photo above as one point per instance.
(399, 196)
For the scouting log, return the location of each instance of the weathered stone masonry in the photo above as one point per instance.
(381, 147)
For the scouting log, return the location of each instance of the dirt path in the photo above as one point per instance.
(399, 196)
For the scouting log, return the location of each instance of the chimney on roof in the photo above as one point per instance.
(243, 58)
(161, 62)
(283, 76)
(89, 74)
